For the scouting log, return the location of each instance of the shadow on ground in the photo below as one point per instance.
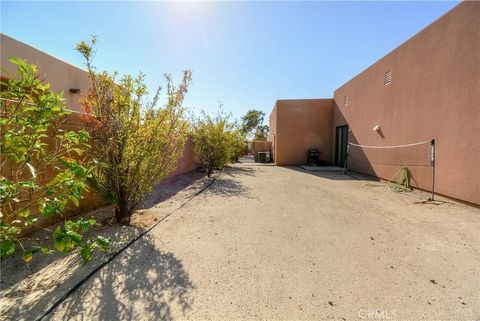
(229, 185)
(15, 269)
(240, 170)
(155, 283)
(143, 283)
(170, 188)
(24, 272)
(337, 176)
(29, 289)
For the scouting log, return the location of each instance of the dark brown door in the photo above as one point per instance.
(341, 141)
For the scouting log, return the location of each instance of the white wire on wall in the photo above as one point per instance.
(393, 146)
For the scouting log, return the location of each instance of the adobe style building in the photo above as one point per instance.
(427, 88)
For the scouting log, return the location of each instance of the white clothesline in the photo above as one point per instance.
(392, 146)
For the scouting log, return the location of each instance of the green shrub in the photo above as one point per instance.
(239, 144)
(137, 144)
(216, 141)
(40, 174)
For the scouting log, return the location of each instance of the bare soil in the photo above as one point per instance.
(272, 243)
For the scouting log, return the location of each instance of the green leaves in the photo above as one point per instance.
(17, 61)
(68, 238)
(74, 236)
(86, 49)
(103, 242)
(27, 256)
(24, 213)
(64, 240)
(58, 239)
(43, 164)
(252, 120)
(216, 141)
(86, 253)
(52, 206)
(7, 247)
(139, 142)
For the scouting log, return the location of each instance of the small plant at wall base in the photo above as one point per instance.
(41, 173)
(137, 144)
(216, 141)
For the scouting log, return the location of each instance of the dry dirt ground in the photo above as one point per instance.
(275, 243)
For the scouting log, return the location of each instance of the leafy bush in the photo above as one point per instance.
(239, 144)
(41, 167)
(216, 141)
(137, 144)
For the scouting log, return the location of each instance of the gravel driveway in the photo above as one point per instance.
(278, 243)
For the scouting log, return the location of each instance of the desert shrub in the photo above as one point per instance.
(137, 143)
(216, 141)
(42, 170)
(239, 144)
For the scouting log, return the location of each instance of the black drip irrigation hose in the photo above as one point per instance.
(112, 257)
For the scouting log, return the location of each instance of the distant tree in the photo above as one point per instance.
(252, 125)
(137, 143)
(251, 120)
(261, 133)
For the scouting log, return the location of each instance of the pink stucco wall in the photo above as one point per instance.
(61, 75)
(296, 125)
(186, 163)
(434, 94)
(261, 146)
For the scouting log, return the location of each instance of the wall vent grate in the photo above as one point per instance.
(388, 77)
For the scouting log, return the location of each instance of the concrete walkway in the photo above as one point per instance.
(274, 243)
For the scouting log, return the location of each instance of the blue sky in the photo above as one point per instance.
(244, 54)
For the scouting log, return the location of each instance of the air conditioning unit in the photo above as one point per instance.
(264, 157)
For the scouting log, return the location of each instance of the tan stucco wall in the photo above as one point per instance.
(61, 75)
(299, 125)
(186, 163)
(434, 93)
(272, 132)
